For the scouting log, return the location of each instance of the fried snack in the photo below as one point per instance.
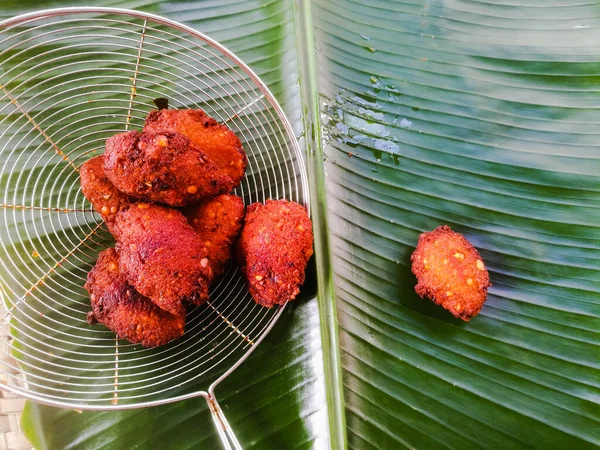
(450, 272)
(220, 143)
(119, 307)
(218, 222)
(163, 167)
(162, 256)
(105, 198)
(273, 250)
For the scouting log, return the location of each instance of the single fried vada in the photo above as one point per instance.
(162, 256)
(163, 167)
(118, 306)
(105, 198)
(273, 250)
(450, 272)
(221, 144)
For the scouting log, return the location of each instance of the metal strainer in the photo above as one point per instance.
(69, 79)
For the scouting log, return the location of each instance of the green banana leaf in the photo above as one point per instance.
(482, 116)
(477, 114)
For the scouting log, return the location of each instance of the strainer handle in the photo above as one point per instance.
(225, 431)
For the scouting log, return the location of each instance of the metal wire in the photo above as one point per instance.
(69, 79)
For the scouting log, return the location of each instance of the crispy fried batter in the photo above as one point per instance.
(162, 256)
(273, 250)
(105, 198)
(218, 222)
(163, 167)
(118, 306)
(220, 143)
(450, 272)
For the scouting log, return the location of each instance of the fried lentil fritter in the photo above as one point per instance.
(162, 256)
(273, 250)
(220, 143)
(450, 272)
(218, 222)
(105, 198)
(118, 306)
(163, 168)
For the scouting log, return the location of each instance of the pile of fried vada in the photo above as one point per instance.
(165, 195)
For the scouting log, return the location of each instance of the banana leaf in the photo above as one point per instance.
(477, 114)
(482, 116)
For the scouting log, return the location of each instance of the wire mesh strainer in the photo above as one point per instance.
(69, 79)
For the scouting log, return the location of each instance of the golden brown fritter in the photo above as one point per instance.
(273, 250)
(220, 143)
(163, 168)
(450, 272)
(218, 222)
(162, 256)
(105, 198)
(118, 306)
